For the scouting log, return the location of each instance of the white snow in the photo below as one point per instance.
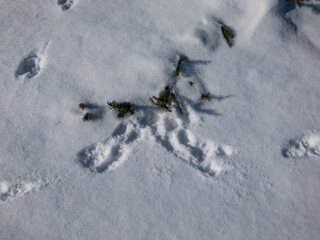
(242, 165)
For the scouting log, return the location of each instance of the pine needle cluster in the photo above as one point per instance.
(227, 34)
(182, 59)
(165, 99)
(82, 106)
(205, 97)
(122, 108)
(86, 117)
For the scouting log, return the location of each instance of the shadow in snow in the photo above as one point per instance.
(97, 111)
(315, 8)
(282, 9)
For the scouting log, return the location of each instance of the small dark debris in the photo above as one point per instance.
(227, 34)
(123, 108)
(87, 117)
(182, 59)
(82, 106)
(165, 100)
(205, 97)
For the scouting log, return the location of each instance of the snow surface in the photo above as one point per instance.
(244, 165)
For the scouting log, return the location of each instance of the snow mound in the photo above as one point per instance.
(306, 146)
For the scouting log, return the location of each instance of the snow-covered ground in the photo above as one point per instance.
(244, 165)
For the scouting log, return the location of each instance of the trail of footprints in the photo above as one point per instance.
(31, 65)
(167, 131)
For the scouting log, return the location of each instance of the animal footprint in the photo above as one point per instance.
(65, 4)
(204, 155)
(10, 190)
(31, 65)
(306, 146)
(111, 153)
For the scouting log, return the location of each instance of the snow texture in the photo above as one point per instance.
(242, 165)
